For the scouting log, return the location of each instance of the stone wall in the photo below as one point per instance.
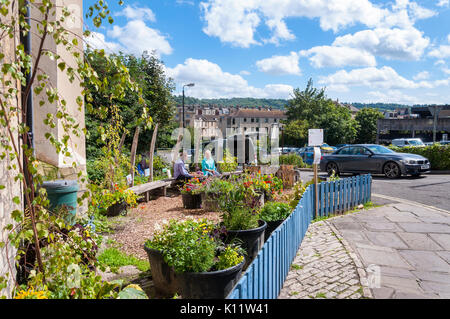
(12, 188)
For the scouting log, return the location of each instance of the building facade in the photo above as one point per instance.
(429, 123)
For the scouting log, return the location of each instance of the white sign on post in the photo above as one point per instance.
(317, 155)
(315, 137)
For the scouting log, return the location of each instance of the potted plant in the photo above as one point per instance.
(113, 203)
(240, 216)
(191, 194)
(213, 188)
(201, 265)
(274, 213)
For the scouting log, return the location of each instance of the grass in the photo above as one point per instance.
(114, 259)
(366, 206)
(296, 267)
(321, 295)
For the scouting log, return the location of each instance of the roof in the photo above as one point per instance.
(259, 113)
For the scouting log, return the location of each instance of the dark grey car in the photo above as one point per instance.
(376, 159)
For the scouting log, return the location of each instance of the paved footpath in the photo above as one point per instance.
(323, 268)
(398, 251)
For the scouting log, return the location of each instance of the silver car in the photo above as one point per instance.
(376, 159)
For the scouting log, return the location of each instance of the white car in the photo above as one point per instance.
(402, 142)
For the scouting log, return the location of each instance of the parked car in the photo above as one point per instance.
(340, 145)
(402, 142)
(444, 142)
(307, 154)
(325, 148)
(376, 159)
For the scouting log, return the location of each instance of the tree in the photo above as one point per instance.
(148, 73)
(367, 119)
(311, 108)
(35, 228)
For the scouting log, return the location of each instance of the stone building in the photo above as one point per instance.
(12, 188)
(256, 120)
(44, 151)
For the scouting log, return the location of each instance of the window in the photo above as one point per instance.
(266, 120)
(234, 121)
(253, 120)
(245, 119)
(344, 151)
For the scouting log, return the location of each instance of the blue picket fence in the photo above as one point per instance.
(265, 276)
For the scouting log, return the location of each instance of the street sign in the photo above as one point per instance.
(315, 137)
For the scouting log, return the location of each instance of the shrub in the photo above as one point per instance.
(194, 246)
(439, 155)
(229, 163)
(292, 159)
(273, 211)
(299, 189)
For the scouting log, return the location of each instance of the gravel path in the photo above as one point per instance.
(134, 229)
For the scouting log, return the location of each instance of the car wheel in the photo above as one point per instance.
(332, 167)
(392, 170)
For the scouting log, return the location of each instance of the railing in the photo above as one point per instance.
(265, 276)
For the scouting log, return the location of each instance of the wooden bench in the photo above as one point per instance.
(148, 187)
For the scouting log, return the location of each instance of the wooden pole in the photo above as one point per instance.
(133, 154)
(316, 195)
(152, 150)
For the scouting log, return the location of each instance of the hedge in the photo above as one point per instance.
(439, 155)
(292, 159)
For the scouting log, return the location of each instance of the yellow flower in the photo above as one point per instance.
(31, 294)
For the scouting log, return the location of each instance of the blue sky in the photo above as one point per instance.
(361, 51)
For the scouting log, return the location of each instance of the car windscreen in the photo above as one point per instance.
(414, 142)
(378, 149)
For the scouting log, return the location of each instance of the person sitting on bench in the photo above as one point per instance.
(179, 170)
(208, 165)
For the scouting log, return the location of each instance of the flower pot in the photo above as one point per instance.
(163, 275)
(271, 226)
(252, 240)
(209, 285)
(210, 202)
(116, 209)
(191, 201)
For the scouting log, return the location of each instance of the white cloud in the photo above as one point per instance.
(212, 82)
(422, 75)
(280, 65)
(332, 56)
(137, 13)
(236, 21)
(231, 21)
(443, 52)
(400, 44)
(134, 37)
(97, 41)
(244, 72)
(443, 3)
(137, 37)
(385, 78)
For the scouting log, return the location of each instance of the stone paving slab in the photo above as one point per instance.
(408, 257)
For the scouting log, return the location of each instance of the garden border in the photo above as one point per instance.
(265, 276)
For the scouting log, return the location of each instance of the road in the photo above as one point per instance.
(431, 190)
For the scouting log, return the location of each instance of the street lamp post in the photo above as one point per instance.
(190, 84)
